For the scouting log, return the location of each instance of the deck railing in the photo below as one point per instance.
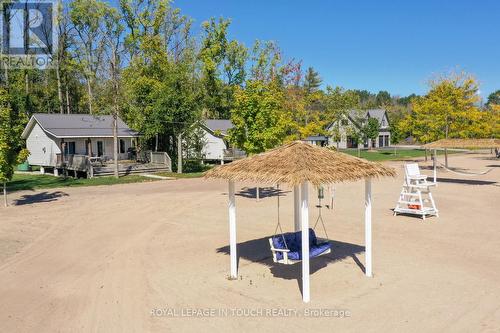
(73, 161)
(233, 154)
(160, 157)
(83, 163)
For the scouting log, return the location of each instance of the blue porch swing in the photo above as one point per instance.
(287, 247)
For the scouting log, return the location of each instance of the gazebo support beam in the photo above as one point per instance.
(306, 296)
(296, 207)
(368, 227)
(232, 230)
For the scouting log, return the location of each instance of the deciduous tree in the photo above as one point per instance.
(11, 151)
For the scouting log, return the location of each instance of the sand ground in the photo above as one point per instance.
(134, 258)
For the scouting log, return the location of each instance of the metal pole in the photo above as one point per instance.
(296, 208)
(368, 227)
(306, 295)
(232, 231)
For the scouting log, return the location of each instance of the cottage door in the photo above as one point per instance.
(100, 148)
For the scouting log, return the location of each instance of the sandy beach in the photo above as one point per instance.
(153, 257)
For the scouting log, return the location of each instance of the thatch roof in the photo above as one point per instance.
(298, 161)
(464, 143)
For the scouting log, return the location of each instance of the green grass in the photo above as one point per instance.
(181, 175)
(32, 181)
(388, 154)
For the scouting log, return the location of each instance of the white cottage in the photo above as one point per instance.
(354, 121)
(216, 147)
(79, 134)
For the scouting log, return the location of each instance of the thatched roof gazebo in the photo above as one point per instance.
(459, 144)
(297, 164)
(463, 144)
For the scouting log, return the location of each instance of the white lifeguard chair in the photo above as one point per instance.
(415, 194)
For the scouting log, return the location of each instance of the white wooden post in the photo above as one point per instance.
(434, 162)
(306, 296)
(257, 193)
(368, 227)
(232, 231)
(296, 208)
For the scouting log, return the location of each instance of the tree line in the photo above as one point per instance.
(142, 60)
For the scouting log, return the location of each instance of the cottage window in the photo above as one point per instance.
(122, 146)
(69, 148)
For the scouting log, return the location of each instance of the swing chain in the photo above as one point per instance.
(320, 217)
(279, 224)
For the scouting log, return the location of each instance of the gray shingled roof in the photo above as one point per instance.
(78, 125)
(377, 114)
(221, 125)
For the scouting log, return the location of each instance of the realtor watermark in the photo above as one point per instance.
(29, 36)
(249, 312)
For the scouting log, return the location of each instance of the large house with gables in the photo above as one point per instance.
(354, 121)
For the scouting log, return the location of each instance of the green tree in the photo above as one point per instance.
(339, 102)
(383, 98)
(112, 34)
(223, 67)
(260, 122)
(494, 98)
(312, 81)
(370, 131)
(163, 96)
(449, 110)
(11, 152)
(87, 18)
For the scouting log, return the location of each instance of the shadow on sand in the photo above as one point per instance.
(39, 197)
(465, 181)
(257, 251)
(265, 192)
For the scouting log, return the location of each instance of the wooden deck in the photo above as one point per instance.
(126, 169)
(153, 162)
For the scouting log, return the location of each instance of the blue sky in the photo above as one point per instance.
(375, 45)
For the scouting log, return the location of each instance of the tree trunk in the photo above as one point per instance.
(89, 92)
(26, 89)
(68, 109)
(425, 154)
(59, 89)
(179, 153)
(446, 137)
(114, 77)
(115, 143)
(5, 194)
